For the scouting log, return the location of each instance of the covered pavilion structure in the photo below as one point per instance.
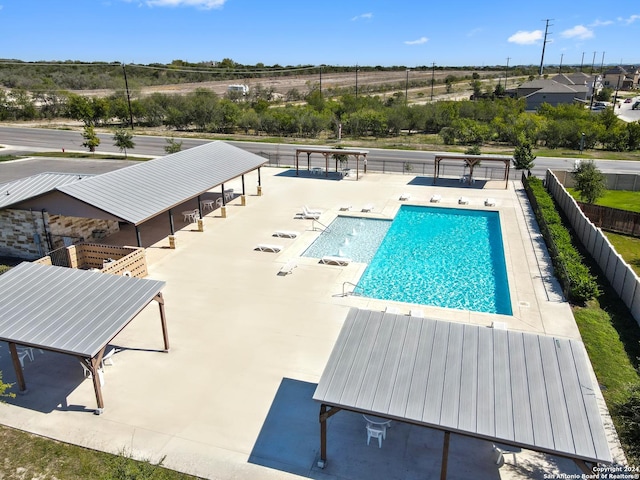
(70, 311)
(143, 191)
(472, 161)
(328, 152)
(514, 388)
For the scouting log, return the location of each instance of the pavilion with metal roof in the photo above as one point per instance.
(472, 161)
(519, 389)
(70, 311)
(335, 152)
(25, 188)
(140, 192)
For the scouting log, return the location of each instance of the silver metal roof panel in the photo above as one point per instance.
(68, 310)
(521, 389)
(137, 193)
(29, 187)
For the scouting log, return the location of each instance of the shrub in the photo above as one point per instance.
(628, 416)
(574, 275)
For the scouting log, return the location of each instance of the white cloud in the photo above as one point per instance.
(419, 41)
(601, 23)
(364, 16)
(630, 19)
(474, 32)
(579, 31)
(525, 38)
(205, 4)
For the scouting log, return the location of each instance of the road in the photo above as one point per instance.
(20, 140)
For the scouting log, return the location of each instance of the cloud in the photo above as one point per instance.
(419, 41)
(601, 23)
(474, 32)
(205, 4)
(629, 20)
(525, 38)
(579, 31)
(364, 16)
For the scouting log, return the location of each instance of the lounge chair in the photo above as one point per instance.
(267, 247)
(285, 234)
(463, 201)
(389, 309)
(345, 208)
(309, 215)
(436, 198)
(311, 210)
(367, 208)
(404, 196)
(416, 312)
(331, 260)
(288, 267)
(490, 202)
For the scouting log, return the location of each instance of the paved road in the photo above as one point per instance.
(36, 139)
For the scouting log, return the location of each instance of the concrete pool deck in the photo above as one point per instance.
(232, 399)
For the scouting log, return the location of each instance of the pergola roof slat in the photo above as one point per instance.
(533, 391)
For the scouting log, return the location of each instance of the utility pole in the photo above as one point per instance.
(406, 90)
(544, 43)
(126, 84)
(602, 64)
(560, 67)
(356, 81)
(433, 75)
(320, 80)
(581, 62)
(593, 62)
(505, 73)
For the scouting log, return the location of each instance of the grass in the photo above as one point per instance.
(30, 456)
(621, 199)
(628, 247)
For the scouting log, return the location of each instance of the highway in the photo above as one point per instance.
(21, 140)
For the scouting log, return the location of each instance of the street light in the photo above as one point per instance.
(581, 143)
(406, 89)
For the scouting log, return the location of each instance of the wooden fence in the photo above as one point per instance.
(612, 219)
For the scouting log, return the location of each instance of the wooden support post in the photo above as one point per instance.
(138, 238)
(445, 456)
(163, 320)
(96, 374)
(17, 367)
(325, 413)
(172, 227)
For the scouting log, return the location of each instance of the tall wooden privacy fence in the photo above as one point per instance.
(620, 275)
(612, 219)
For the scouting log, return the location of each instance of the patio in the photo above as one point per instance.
(233, 399)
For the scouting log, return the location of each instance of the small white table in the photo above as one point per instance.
(207, 204)
(316, 170)
(377, 421)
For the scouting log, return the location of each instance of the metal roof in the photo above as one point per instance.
(68, 310)
(29, 187)
(521, 389)
(139, 192)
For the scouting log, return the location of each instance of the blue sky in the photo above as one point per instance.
(346, 32)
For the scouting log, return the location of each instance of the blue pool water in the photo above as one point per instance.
(445, 257)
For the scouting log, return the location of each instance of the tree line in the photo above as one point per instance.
(478, 122)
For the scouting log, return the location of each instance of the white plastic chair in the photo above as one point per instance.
(374, 431)
(87, 372)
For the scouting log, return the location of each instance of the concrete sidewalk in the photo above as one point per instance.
(232, 399)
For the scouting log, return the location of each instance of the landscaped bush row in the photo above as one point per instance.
(574, 275)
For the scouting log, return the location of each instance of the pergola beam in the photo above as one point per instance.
(471, 161)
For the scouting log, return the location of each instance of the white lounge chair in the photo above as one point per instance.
(331, 260)
(463, 201)
(490, 202)
(345, 208)
(288, 267)
(309, 215)
(416, 312)
(389, 309)
(404, 196)
(268, 247)
(367, 208)
(285, 234)
(311, 210)
(436, 198)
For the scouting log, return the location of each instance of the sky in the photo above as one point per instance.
(332, 32)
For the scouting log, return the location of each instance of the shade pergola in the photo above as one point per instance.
(75, 312)
(519, 389)
(472, 161)
(327, 152)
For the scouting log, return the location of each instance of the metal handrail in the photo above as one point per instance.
(353, 292)
(313, 224)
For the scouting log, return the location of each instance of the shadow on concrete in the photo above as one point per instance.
(304, 173)
(478, 184)
(289, 441)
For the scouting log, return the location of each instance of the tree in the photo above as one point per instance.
(590, 182)
(123, 139)
(91, 140)
(172, 146)
(3, 389)
(523, 157)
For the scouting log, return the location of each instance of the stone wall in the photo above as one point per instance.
(22, 232)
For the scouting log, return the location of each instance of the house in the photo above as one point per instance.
(622, 77)
(564, 90)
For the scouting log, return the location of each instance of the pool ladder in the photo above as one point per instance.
(352, 292)
(313, 225)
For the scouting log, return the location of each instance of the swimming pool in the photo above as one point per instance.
(445, 257)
